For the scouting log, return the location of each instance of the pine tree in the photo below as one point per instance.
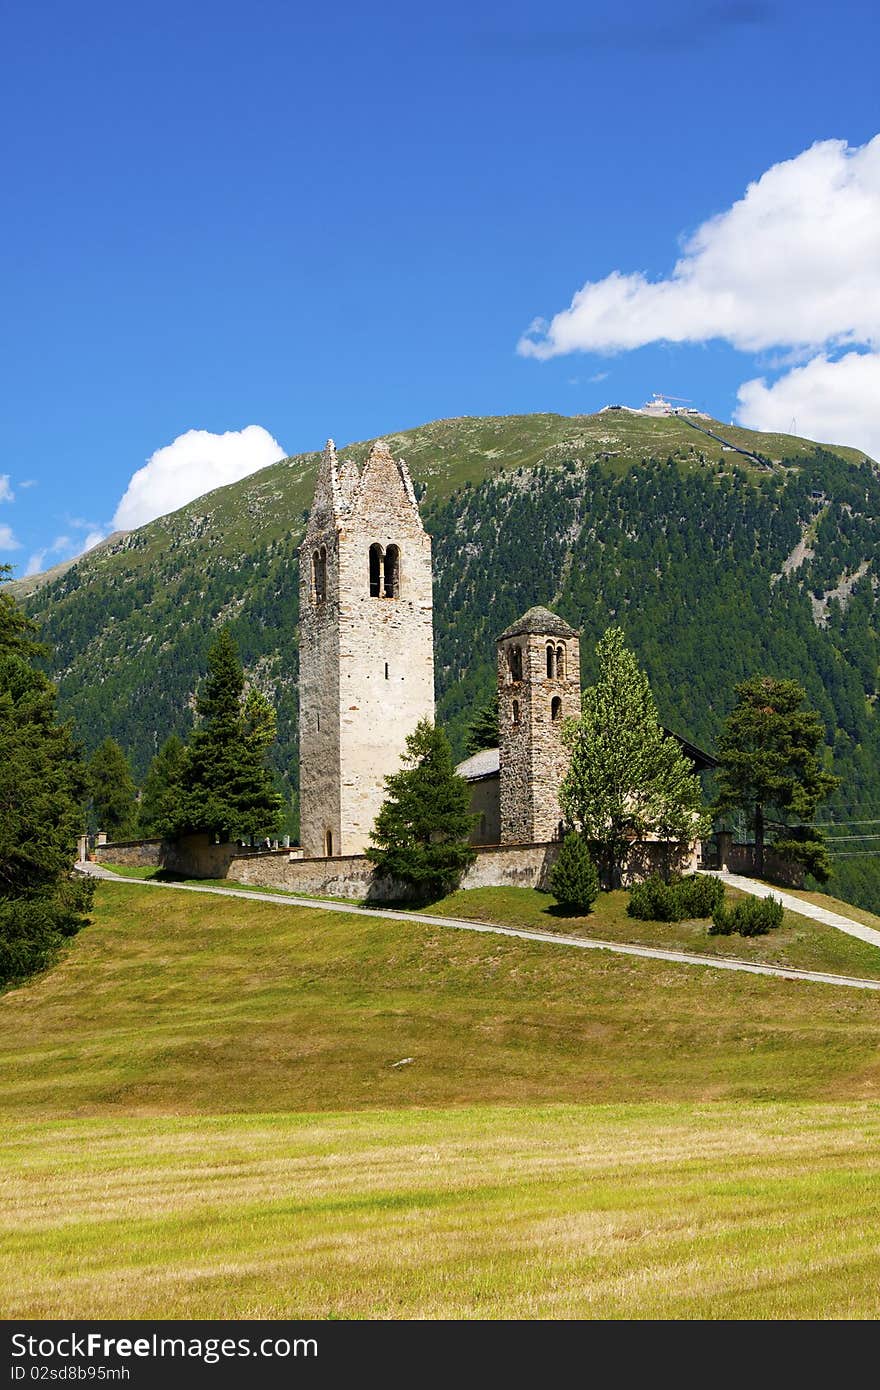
(421, 833)
(42, 791)
(627, 778)
(113, 792)
(226, 788)
(770, 759)
(162, 788)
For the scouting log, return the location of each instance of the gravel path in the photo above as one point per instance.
(459, 924)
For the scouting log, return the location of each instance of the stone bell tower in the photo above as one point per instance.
(366, 644)
(539, 685)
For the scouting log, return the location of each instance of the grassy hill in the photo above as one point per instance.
(202, 1116)
(716, 565)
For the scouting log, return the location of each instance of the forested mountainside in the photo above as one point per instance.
(715, 564)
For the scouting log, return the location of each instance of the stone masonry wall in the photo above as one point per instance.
(533, 759)
(350, 876)
(366, 662)
(141, 854)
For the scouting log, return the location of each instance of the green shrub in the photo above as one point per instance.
(654, 901)
(658, 901)
(751, 917)
(700, 895)
(574, 879)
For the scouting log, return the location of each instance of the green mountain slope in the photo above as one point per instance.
(716, 565)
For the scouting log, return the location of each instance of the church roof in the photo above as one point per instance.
(540, 621)
(486, 763)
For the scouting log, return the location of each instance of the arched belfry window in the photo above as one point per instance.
(551, 662)
(375, 571)
(319, 574)
(560, 663)
(514, 663)
(392, 572)
(555, 708)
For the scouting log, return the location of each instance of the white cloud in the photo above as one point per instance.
(7, 538)
(796, 262)
(37, 563)
(194, 463)
(28, 482)
(6, 493)
(65, 547)
(838, 402)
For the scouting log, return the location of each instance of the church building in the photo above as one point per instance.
(367, 672)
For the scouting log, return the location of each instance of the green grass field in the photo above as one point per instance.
(202, 1116)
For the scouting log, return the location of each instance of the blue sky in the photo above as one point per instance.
(344, 222)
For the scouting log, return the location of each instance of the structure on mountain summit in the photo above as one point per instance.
(366, 644)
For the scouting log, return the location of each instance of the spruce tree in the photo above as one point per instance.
(482, 731)
(574, 881)
(42, 793)
(113, 792)
(770, 751)
(225, 787)
(627, 778)
(421, 834)
(162, 788)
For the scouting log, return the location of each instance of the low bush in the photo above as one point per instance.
(680, 898)
(751, 917)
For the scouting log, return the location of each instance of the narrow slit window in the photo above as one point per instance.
(319, 563)
(392, 572)
(555, 708)
(375, 571)
(386, 670)
(328, 843)
(516, 711)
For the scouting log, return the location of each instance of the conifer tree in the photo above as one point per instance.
(226, 788)
(770, 758)
(42, 794)
(113, 792)
(482, 732)
(627, 778)
(421, 833)
(162, 788)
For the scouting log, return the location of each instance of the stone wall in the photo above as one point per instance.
(141, 854)
(351, 876)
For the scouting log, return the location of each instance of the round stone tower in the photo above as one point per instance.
(539, 685)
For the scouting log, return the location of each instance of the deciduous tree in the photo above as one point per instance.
(627, 778)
